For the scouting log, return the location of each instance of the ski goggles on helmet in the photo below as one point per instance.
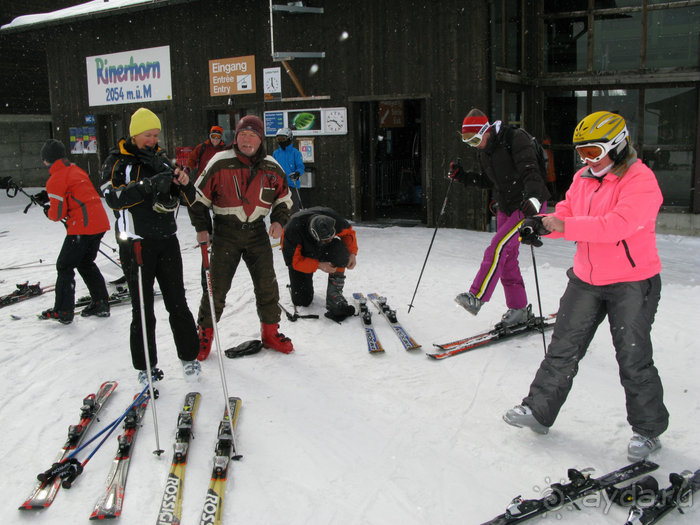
(594, 152)
(215, 136)
(477, 137)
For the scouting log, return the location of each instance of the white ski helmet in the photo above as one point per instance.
(284, 132)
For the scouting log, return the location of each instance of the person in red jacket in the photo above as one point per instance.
(73, 200)
(610, 212)
(202, 153)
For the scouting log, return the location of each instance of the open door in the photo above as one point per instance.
(390, 161)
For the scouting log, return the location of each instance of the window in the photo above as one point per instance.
(507, 52)
(672, 38)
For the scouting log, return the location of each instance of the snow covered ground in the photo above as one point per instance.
(332, 434)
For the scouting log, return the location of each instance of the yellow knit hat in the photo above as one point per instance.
(142, 120)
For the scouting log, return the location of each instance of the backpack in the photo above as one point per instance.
(542, 156)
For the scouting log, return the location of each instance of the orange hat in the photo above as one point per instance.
(217, 130)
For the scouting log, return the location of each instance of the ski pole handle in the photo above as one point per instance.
(205, 254)
(138, 255)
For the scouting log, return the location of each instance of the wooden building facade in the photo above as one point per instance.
(401, 76)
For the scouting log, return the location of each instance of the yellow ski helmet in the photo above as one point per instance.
(599, 134)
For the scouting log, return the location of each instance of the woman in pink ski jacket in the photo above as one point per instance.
(610, 212)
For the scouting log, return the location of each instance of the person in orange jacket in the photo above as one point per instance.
(320, 238)
(72, 199)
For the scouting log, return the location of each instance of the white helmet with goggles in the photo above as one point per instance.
(599, 134)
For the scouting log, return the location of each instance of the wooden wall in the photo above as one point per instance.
(435, 51)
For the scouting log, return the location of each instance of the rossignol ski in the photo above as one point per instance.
(677, 496)
(390, 315)
(499, 333)
(373, 344)
(24, 291)
(224, 451)
(109, 505)
(558, 495)
(171, 504)
(45, 491)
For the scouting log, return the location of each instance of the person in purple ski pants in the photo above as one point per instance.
(508, 165)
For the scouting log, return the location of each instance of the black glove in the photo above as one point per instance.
(294, 175)
(530, 231)
(42, 197)
(162, 183)
(46, 208)
(157, 184)
(531, 206)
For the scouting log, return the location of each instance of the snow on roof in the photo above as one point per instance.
(76, 11)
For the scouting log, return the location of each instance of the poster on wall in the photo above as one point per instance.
(306, 148)
(83, 139)
(141, 75)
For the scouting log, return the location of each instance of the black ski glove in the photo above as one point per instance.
(530, 231)
(294, 175)
(159, 184)
(42, 197)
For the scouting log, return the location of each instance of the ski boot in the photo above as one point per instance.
(62, 316)
(206, 337)
(469, 302)
(273, 339)
(521, 416)
(337, 306)
(98, 308)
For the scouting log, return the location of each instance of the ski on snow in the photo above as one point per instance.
(497, 334)
(171, 504)
(122, 295)
(664, 501)
(373, 344)
(24, 291)
(558, 495)
(390, 315)
(109, 505)
(224, 451)
(45, 491)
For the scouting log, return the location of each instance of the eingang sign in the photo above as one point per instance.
(142, 75)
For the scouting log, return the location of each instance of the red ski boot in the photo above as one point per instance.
(206, 337)
(274, 340)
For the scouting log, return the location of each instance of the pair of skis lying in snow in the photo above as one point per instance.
(648, 504)
(66, 468)
(499, 333)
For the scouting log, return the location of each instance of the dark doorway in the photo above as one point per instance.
(390, 161)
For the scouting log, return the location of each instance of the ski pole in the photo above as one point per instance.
(301, 204)
(539, 301)
(210, 293)
(146, 353)
(108, 257)
(437, 225)
(109, 428)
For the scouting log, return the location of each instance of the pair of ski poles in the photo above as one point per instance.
(205, 263)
